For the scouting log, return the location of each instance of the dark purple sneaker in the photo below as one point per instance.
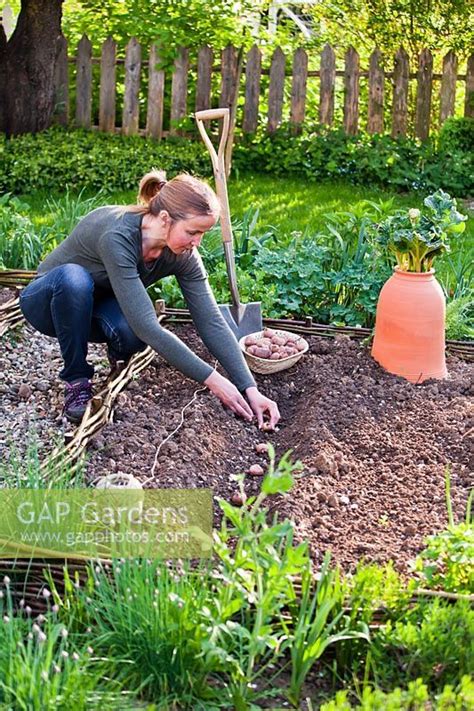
(76, 398)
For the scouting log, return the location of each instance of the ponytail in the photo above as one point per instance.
(150, 186)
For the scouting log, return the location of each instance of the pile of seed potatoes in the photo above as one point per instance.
(274, 345)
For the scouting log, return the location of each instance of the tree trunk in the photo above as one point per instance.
(3, 67)
(27, 64)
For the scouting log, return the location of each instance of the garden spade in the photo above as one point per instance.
(242, 318)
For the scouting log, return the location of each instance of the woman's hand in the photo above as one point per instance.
(260, 404)
(229, 395)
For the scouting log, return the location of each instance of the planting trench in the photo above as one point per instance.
(374, 447)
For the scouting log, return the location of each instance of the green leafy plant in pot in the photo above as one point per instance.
(409, 335)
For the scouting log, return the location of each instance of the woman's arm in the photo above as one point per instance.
(221, 341)
(210, 323)
(119, 259)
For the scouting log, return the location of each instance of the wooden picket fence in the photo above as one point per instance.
(387, 93)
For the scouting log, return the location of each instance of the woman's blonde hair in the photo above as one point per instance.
(182, 197)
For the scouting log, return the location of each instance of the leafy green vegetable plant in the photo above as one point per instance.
(416, 238)
(255, 576)
(433, 641)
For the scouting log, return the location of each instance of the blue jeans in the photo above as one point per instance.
(62, 303)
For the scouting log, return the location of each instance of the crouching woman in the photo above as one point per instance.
(92, 288)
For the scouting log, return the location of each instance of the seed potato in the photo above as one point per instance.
(273, 346)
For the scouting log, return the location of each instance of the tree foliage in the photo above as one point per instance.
(388, 24)
(439, 25)
(171, 23)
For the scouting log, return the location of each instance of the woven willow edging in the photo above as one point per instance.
(10, 315)
(99, 413)
(308, 327)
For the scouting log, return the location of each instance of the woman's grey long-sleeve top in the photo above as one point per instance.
(108, 243)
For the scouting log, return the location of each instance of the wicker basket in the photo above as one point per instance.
(263, 365)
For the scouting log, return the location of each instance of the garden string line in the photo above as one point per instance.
(161, 445)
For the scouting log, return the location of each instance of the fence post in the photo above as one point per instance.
(327, 76)
(107, 86)
(204, 76)
(298, 89)
(423, 94)
(401, 75)
(133, 60)
(61, 84)
(376, 93)
(179, 90)
(351, 92)
(253, 71)
(275, 90)
(448, 86)
(469, 100)
(84, 83)
(229, 68)
(156, 90)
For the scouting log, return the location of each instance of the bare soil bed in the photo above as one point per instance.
(374, 447)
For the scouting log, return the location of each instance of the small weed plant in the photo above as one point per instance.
(448, 559)
(415, 697)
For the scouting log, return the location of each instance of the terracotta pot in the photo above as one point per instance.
(409, 326)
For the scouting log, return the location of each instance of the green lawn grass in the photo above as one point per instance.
(297, 204)
(287, 204)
